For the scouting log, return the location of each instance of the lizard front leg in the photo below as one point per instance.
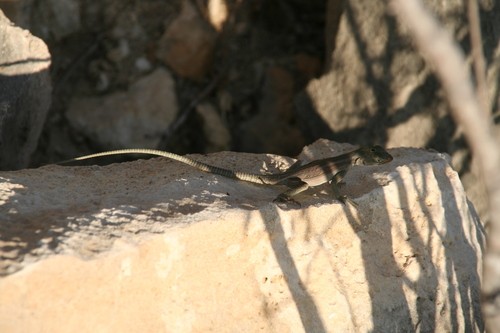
(336, 183)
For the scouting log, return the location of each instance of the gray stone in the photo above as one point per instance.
(25, 93)
(135, 118)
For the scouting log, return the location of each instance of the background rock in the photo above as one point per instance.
(217, 13)
(376, 77)
(117, 43)
(25, 93)
(188, 44)
(135, 118)
(214, 128)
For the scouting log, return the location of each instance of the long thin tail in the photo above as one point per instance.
(253, 178)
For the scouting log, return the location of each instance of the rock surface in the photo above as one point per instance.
(25, 93)
(157, 246)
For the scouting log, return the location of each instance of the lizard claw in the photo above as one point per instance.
(285, 199)
(344, 199)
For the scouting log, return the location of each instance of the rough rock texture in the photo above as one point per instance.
(25, 90)
(135, 118)
(157, 246)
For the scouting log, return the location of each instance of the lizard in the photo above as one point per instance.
(298, 178)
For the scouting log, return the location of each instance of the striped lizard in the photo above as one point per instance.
(298, 178)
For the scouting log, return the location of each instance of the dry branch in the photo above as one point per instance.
(448, 62)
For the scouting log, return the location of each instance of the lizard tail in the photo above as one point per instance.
(248, 177)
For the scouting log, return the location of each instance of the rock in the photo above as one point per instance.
(187, 45)
(217, 13)
(378, 81)
(216, 133)
(181, 250)
(143, 64)
(25, 93)
(136, 118)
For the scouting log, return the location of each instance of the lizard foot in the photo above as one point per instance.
(285, 199)
(341, 184)
(344, 199)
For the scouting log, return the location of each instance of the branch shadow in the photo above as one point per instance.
(384, 276)
(306, 306)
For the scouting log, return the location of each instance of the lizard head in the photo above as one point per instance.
(372, 155)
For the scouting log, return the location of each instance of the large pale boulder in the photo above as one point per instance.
(155, 246)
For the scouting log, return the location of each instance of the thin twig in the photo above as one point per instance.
(478, 55)
(76, 62)
(190, 107)
(438, 48)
